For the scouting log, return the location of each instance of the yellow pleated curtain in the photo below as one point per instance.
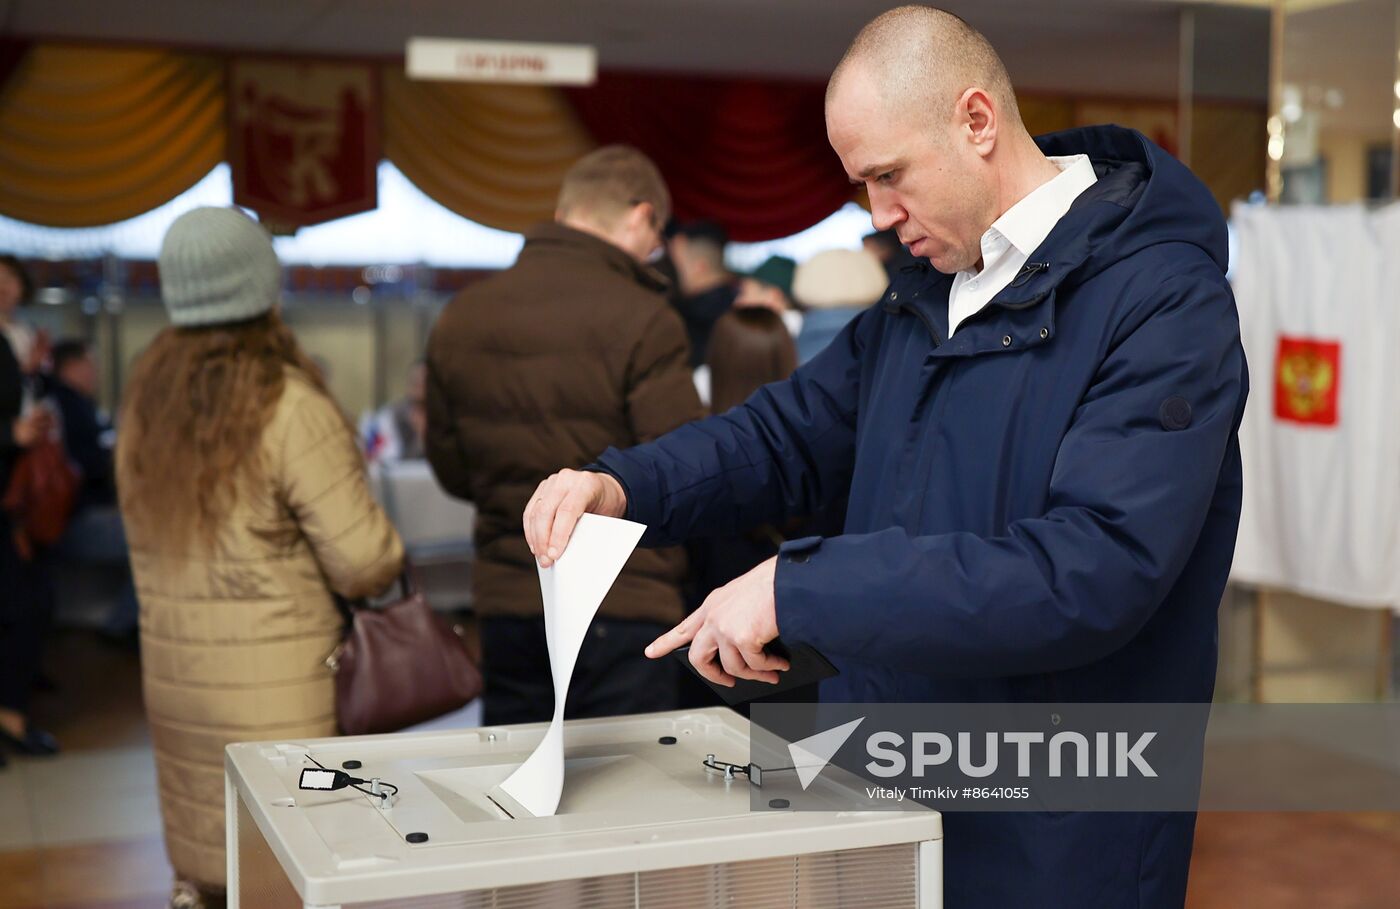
(493, 153)
(90, 136)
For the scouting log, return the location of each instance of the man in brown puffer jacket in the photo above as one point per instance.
(542, 367)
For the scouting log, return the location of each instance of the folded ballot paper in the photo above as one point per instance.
(573, 589)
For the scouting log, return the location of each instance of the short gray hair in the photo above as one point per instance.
(604, 184)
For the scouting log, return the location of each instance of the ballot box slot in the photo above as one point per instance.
(500, 807)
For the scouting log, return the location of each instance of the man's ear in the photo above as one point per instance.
(642, 216)
(978, 119)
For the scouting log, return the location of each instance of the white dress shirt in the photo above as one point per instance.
(1009, 242)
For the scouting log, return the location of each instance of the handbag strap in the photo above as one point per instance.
(408, 579)
(347, 607)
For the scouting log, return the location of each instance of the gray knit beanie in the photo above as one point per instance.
(217, 265)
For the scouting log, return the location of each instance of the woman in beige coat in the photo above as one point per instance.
(246, 506)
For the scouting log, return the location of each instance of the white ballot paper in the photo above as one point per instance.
(573, 589)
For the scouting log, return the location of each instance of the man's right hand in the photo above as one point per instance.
(557, 504)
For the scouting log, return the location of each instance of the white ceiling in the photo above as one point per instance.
(1125, 48)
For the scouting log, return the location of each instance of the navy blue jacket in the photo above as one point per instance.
(1042, 508)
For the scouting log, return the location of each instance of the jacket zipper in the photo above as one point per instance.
(928, 323)
(933, 332)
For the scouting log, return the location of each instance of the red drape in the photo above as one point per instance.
(749, 154)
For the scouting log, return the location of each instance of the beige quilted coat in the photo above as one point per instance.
(233, 644)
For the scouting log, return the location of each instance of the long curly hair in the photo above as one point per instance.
(198, 403)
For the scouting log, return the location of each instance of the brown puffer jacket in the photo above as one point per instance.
(233, 645)
(542, 367)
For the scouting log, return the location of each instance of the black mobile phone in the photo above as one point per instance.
(805, 666)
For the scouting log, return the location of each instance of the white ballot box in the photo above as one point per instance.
(643, 824)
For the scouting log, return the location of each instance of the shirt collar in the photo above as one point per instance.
(1026, 224)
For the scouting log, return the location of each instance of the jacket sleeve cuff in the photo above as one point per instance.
(792, 577)
(600, 467)
(643, 495)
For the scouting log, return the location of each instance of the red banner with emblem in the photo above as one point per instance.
(1307, 378)
(303, 139)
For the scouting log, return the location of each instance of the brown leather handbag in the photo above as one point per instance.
(399, 665)
(42, 491)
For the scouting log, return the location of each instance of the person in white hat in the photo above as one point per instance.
(835, 286)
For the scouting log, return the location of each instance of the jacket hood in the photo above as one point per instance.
(1143, 197)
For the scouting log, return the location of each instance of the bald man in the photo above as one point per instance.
(1036, 434)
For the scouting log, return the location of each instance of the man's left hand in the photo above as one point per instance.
(727, 633)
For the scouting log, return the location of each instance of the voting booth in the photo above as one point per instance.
(436, 529)
(647, 819)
